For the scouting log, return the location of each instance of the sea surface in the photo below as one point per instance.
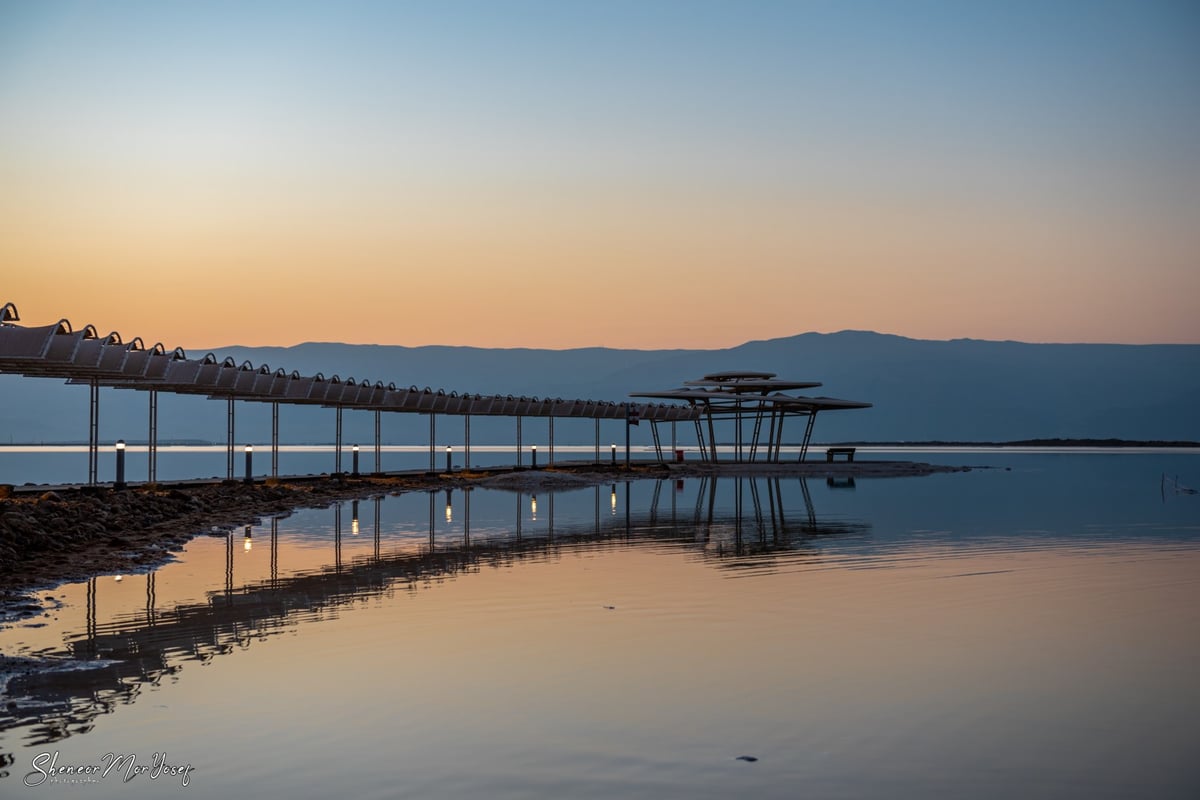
(1030, 628)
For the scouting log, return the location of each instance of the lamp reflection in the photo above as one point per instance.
(533, 506)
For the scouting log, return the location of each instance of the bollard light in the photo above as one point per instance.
(119, 483)
(249, 463)
(533, 449)
(449, 450)
(354, 452)
(614, 455)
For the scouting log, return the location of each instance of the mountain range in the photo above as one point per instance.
(958, 390)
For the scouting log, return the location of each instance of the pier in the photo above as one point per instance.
(87, 358)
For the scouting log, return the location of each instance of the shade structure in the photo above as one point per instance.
(759, 397)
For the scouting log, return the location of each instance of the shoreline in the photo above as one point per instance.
(57, 535)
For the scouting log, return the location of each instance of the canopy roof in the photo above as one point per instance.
(84, 356)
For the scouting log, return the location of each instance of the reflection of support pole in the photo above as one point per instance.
(771, 484)
(700, 493)
(229, 432)
(808, 507)
(152, 443)
(378, 502)
(550, 521)
(737, 511)
(274, 551)
(337, 537)
(93, 432)
(467, 516)
(758, 517)
(654, 502)
(712, 499)
(91, 616)
(596, 522)
(275, 439)
(626, 509)
(520, 512)
(150, 591)
(229, 568)
(673, 499)
(431, 493)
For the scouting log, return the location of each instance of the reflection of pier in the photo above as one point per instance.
(107, 664)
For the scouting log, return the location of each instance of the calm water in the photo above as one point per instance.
(1031, 631)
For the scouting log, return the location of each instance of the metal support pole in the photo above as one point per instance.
(93, 432)
(551, 441)
(432, 434)
(674, 445)
(519, 454)
(627, 436)
(771, 455)
(152, 440)
(467, 441)
(700, 440)
(712, 433)
(812, 418)
(597, 420)
(337, 447)
(758, 418)
(275, 439)
(229, 432)
(657, 441)
(779, 435)
(378, 444)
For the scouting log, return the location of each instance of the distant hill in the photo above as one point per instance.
(960, 390)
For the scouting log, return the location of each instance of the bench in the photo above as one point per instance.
(833, 452)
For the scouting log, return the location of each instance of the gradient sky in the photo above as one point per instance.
(628, 174)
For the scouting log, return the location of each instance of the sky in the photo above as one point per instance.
(643, 174)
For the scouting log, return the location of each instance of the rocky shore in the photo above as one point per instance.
(56, 536)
